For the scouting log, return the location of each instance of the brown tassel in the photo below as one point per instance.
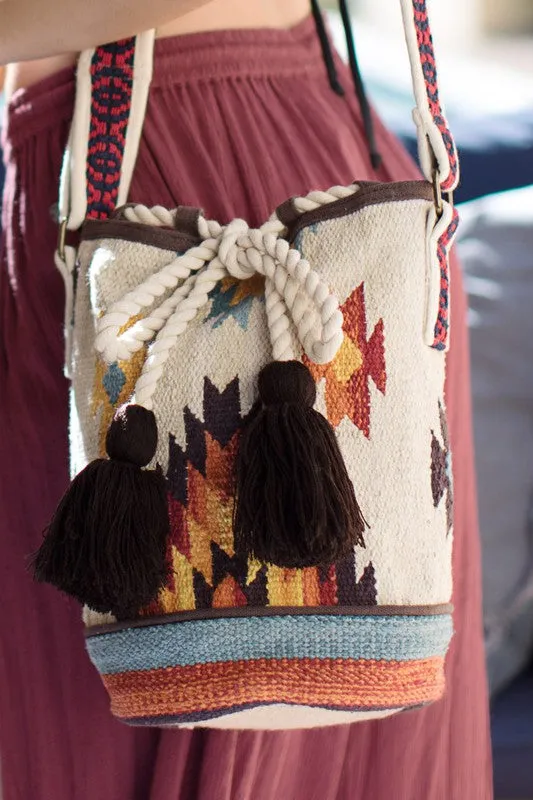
(295, 504)
(106, 544)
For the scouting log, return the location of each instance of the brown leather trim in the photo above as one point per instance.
(287, 213)
(274, 611)
(73, 238)
(178, 240)
(370, 194)
(185, 217)
(120, 211)
(186, 220)
(186, 233)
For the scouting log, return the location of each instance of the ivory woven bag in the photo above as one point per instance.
(261, 531)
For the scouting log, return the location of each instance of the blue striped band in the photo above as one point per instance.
(207, 641)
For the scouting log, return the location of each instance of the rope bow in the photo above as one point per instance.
(297, 299)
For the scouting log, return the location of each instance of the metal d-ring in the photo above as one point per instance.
(439, 196)
(61, 238)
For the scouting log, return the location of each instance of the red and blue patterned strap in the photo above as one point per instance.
(111, 92)
(429, 69)
(445, 241)
(447, 183)
(111, 96)
(437, 151)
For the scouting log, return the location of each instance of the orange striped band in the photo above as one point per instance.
(330, 683)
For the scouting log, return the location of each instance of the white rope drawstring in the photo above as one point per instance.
(205, 281)
(116, 346)
(297, 299)
(160, 216)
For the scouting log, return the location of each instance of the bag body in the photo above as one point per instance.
(179, 315)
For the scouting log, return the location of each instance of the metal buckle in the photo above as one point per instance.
(438, 194)
(61, 238)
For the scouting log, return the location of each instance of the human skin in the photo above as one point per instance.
(39, 29)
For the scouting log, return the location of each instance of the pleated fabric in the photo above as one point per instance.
(237, 122)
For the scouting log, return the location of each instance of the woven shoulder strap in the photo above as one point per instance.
(112, 87)
(111, 95)
(436, 147)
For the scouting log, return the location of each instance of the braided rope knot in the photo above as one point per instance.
(298, 290)
(298, 301)
(233, 250)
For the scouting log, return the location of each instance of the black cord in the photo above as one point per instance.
(326, 49)
(375, 155)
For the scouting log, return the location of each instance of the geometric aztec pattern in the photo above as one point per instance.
(114, 385)
(441, 469)
(234, 298)
(205, 571)
(358, 361)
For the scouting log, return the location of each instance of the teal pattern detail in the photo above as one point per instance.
(222, 308)
(113, 382)
(233, 639)
(298, 240)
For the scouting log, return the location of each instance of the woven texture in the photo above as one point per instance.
(324, 683)
(443, 319)
(216, 640)
(383, 394)
(199, 671)
(429, 68)
(112, 84)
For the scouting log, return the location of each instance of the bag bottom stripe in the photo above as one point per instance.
(339, 683)
(226, 640)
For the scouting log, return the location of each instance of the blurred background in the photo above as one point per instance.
(485, 59)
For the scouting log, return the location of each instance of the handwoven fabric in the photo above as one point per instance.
(382, 393)
(223, 153)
